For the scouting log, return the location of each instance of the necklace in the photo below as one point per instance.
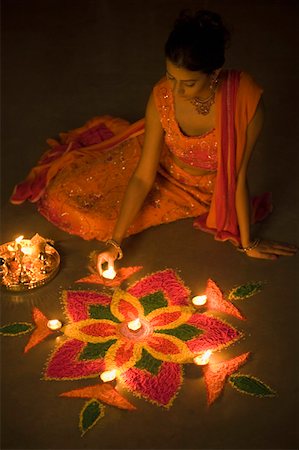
(203, 106)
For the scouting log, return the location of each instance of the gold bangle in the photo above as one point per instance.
(254, 244)
(116, 246)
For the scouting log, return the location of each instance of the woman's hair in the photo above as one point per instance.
(197, 41)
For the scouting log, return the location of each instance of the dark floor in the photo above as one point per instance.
(65, 61)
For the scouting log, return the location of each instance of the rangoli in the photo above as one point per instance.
(147, 361)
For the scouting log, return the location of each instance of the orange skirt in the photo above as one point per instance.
(85, 195)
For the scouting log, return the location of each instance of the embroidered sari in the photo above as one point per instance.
(79, 183)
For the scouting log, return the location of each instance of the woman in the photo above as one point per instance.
(189, 158)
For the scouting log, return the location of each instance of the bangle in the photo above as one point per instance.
(254, 244)
(116, 246)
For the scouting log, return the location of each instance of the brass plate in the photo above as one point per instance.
(34, 275)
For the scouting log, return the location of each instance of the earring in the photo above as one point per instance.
(214, 81)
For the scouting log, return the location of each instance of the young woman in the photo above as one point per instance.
(188, 158)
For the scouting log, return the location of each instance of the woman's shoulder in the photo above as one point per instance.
(161, 84)
(248, 85)
(249, 93)
(246, 80)
(248, 90)
(161, 94)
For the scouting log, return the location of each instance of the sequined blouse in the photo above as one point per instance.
(196, 151)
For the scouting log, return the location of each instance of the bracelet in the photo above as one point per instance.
(254, 244)
(116, 246)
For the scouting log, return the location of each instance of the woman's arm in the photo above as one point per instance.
(145, 173)
(140, 182)
(264, 249)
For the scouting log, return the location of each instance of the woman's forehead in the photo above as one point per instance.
(182, 73)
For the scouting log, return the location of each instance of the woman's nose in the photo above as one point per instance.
(178, 88)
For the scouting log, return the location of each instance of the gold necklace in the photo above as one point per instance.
(203, 106)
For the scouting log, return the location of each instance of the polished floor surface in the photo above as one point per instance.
(65, 61)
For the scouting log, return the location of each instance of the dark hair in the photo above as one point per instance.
(197, 41)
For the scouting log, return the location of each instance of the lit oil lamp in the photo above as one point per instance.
(54, 324)
(199, 300)
(27, 250)
(108, 375)
(203, 358)
(109, 273)
(134, 325)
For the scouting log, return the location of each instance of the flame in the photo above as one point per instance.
(54, 324)
(109, 273)
(27, 250)
(134, 325)
(203, 358)
(108, 375)
(199, 300)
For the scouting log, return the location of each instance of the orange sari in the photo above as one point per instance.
(80, 182)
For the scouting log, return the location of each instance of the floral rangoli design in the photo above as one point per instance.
(147, 361)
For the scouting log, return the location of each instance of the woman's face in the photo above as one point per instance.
(186, 83)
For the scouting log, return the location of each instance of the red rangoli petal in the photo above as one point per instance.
(128, 311)
(124, 353)
(160, 389)
(65, 363)
(99, 329)
(165, 318)
(77, 303)
(166, 281)
(217, 334)
(163, 345)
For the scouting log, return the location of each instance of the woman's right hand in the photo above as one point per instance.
(271, 250)
(108, 256)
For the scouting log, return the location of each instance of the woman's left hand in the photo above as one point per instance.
(271, 250)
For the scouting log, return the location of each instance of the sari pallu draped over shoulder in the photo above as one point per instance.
(236, 103)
